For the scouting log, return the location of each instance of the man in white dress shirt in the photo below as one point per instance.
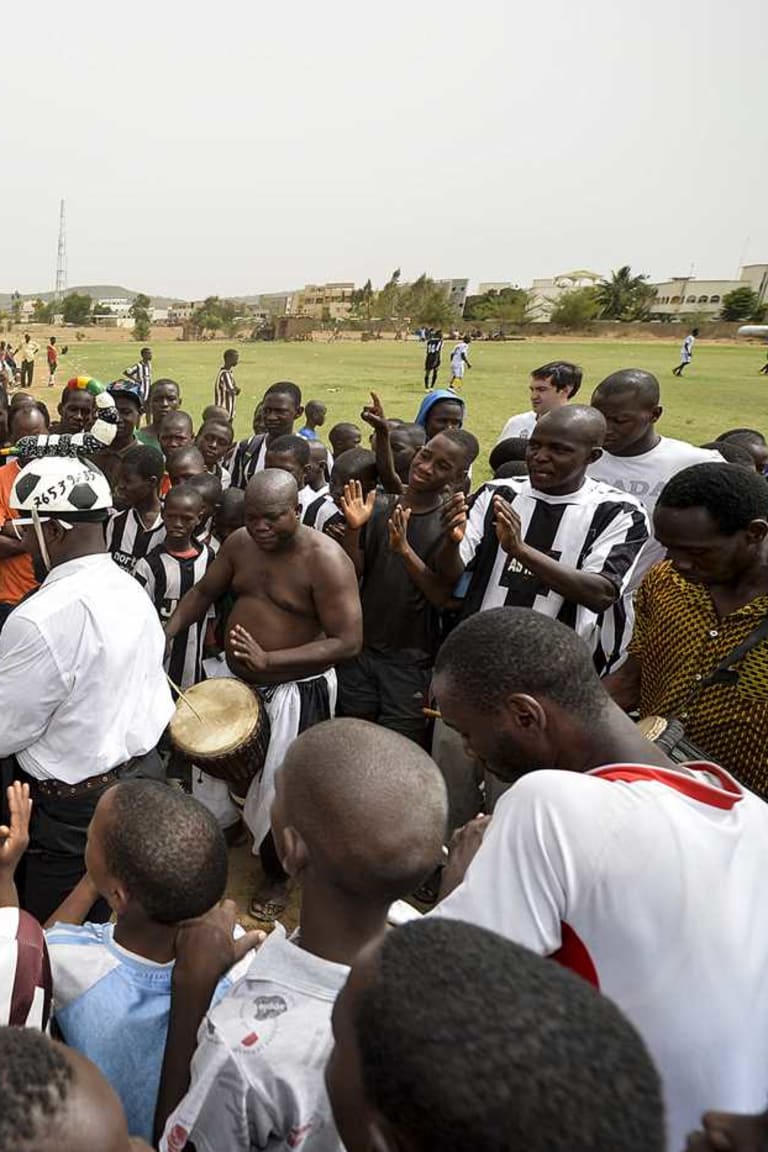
(68, 726)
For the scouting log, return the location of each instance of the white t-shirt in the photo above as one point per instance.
(644, 477)
(458, 353)
(258, 1076)
(650, 884)
(686, 351)
(520, 426)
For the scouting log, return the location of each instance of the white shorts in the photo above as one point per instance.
(457, 370)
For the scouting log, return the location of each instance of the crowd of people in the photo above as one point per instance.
(510, 740)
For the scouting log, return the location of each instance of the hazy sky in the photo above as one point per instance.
(260, 146)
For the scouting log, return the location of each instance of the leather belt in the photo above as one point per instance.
(58, 790)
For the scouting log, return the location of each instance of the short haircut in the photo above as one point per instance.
(314, 408)
(286, 388)
(504, 651)
(415, 433)
(732, 453)
(144, 460)
(214, 413)
(355, 463)
(143, 350)
(565, 376)
(164, 380)
(342, 429)
(732, 496)
(639, 383)
(513, 448)
(166, 848)
(224, 425)
(298, 446)
(232, 505)
(512, 469)
(465, 441)
(15, 411)
(208, 485)
(35, 1081)
(742, 436)
(178, 417)
(370, 804)
(468, 1040)
(186, 452)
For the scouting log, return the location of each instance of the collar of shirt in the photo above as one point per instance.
(699, 598)
(282, 962)
(83, 565)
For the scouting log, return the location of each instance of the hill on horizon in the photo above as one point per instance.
(97, 291)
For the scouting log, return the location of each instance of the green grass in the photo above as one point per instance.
(721, 389)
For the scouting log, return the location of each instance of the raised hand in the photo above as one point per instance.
(509, 529)
(206, 948)
(14, 837)
(454, 517)
(246, 651)
(397, 527)
(373, 414)
(357, 511)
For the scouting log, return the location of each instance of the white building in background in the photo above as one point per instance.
(118, 305)
(688, 296)
(544, 293)
(457, 293)
(494, 286)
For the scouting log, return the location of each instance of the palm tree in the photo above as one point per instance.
(624, 296)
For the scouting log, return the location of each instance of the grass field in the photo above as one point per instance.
(721, 389)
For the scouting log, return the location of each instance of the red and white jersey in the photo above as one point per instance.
(651, 884)
(25, 971)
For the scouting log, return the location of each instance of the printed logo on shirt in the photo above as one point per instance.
(298, 1134)
(177, 1138)
(125, 561)
(267, 1007)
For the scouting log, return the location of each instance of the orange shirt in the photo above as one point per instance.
(17, 576)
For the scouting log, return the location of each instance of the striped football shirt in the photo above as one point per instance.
(224, 394)
(129, 541)
(168, 578)
(25, 971)
(596, 529)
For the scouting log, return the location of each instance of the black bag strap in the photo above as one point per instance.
(725, 672)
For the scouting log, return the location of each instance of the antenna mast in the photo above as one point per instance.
(61, 257)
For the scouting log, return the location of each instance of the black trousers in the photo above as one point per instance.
(27, 371)
(54, 863)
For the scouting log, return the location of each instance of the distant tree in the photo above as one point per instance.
(141, 316)
(362, 301)
(76, 308)
(742, 304)
(575, 309)
(214, 315)
(425, 302)
(510, 305)
(388, 304)
(42, 313)
(623, 296)
(16, 303)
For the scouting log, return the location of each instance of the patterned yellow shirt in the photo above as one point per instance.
(679, 639)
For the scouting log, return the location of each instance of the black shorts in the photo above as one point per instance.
(432, 361)
(387, 687)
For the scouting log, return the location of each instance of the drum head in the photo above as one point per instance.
(229, 715)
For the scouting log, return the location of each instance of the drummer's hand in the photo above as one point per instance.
(461, 852)
(246, 651)
(206, 948)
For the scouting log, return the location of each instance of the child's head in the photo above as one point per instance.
(215, 412)
(314, 413)
(361, 809)
(175, 432)
(164, 397)
(54, 1100)
(356, 464)
(317, 469)
(281, 408)
(507, 451)
(291, 453)
(185, 462)
(231, 358)
(153, 852)
(752, 440)
(209, 487)
(429, 1004)
(405, 441)
(214, 441)
(146, 355)
(443, 462)
(76, 410)
(343, 437)
(127, 397)
(230, 514)
(139, 476)
(183, 513)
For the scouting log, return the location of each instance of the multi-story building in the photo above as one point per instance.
(545, 292)
(325, 301)
(493, 286)
(457, 293)
(688, 296)
(278, 303)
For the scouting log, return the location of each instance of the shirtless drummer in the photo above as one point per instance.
(296, 614)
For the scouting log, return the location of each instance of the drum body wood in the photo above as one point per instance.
(231, 737)
(669, 736)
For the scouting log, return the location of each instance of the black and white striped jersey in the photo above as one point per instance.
(129, 541)
(321, 512)
(248, 458)
(224, 394)
(597, 529)
(167, 578)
